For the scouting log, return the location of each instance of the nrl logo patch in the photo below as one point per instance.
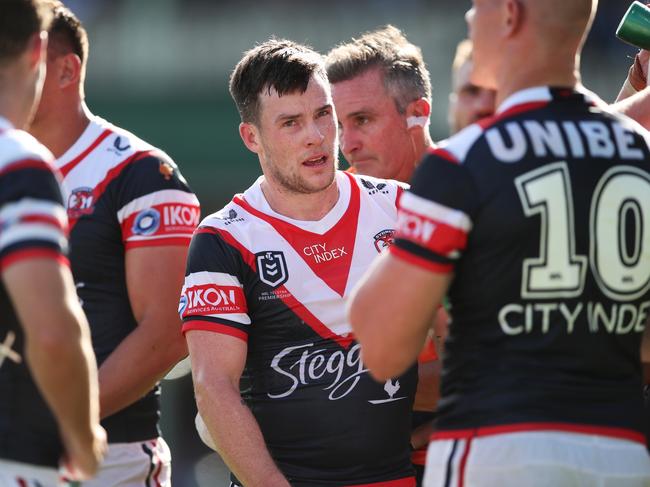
(272, 268)
(384, 239)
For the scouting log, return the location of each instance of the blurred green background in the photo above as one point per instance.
(160, 67)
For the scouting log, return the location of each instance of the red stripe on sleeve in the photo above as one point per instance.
(438, 237)
(215, 328)
(160, 242)
(404, 482)
(20, 255)
(26, 164)
(46, 219)
(419, 261)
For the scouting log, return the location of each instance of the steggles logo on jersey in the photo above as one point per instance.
(80, 202)
(320, 252)
(272, 268)
(391, 389)
(372, 189)
(210, 299)
(147, 222)
(384, 239)
(302, 365)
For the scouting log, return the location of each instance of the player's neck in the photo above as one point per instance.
(300, 206)
(553, 73)
(13, 105)
(61, 127)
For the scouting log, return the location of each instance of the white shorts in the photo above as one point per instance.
(137, 464)
(537, 459)
(15, 474)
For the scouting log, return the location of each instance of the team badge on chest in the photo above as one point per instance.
(384, 239)
(80, 202)
(272, 267)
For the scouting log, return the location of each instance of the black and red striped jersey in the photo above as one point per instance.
(542, 213)
(121, 193)
(32, 224)
(281, 285)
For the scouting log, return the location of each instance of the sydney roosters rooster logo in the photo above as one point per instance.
(384, 239)
(80, 202)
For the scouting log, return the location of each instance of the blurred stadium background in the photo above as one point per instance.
(160, 67)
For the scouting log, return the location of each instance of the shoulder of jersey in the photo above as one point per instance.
(377, 186)
(225, 217)
(125, 142)
(18, 145)
(455, 148)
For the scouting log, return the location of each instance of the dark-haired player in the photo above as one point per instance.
(131, 217)
(48, 377)
(265, 291)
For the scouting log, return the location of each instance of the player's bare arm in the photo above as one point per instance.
(392, 331)
(217, 364)
(60, 355)
(154, 277)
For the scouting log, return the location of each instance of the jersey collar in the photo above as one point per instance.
(255, 197)
(542, 94)
(5, 124)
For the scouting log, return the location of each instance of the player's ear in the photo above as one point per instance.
(250, 135)
(68, 70)
(417, 113)
(513, 17)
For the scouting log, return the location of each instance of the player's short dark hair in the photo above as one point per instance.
(67, 34)
(277, 64)
(19, 21)
(406, 77)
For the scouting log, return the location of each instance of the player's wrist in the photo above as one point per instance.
(636, 77)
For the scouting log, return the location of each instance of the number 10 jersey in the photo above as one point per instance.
(543, 214)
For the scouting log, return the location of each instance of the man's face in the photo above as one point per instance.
(482, 21)
(374, 136)
(298, 145)
(468, 103)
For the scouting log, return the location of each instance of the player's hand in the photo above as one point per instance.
(84, 455)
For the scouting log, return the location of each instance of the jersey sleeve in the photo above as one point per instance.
(155, 205)
(435, 215)
(33, 222)
(213, 297)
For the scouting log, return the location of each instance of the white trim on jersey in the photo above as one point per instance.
(255, 197)
(436, 211)
(17, 145)
(33, 207)
(148, 238)
(90, 175)
(165, 196)
(459, 146)
(205, 277)
(32, 231)
(535, 94)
